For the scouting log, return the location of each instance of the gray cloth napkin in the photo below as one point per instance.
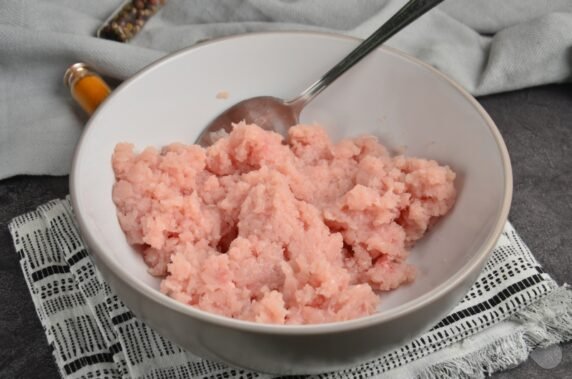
(487, 46)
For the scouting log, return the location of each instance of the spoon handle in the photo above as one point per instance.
(407, 14)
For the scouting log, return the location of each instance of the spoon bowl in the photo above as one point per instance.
(268, 112)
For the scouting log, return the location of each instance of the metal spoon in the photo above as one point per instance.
(276, 114)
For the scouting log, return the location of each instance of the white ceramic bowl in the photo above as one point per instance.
(389, 94)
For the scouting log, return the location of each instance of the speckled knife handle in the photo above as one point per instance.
(407, 14)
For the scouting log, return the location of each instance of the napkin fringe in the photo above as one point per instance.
(552, 315)
(548, 322)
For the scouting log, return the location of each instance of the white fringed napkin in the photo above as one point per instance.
(513, 308)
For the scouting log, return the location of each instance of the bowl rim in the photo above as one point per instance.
(482, 253)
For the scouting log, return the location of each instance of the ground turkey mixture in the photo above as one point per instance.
(288, 232)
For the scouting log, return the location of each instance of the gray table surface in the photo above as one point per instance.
(537, 127)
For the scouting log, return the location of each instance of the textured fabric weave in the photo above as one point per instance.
(487, 46)
(93, 335)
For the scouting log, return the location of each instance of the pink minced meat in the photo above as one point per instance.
(257, 229)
